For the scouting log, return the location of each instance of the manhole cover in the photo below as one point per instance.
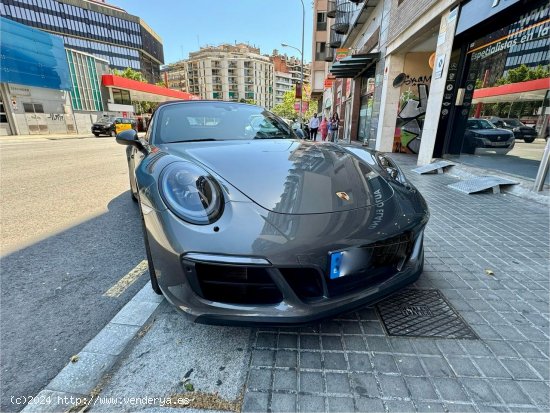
(422, 313)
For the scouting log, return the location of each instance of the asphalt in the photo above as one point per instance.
(69, 232)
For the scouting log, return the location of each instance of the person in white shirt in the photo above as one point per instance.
(313, 127)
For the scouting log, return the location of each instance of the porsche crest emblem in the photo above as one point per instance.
(343, 196)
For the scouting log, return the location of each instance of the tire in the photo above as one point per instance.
(112, 133)
(528, 140)
(152, 273)
(96, 134)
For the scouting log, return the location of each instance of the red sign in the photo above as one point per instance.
(298, 90)
(305, 106)
(328, 83)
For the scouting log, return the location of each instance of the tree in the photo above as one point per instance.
(286, 109)
(523, 73)
(162, 83)
(130, 73)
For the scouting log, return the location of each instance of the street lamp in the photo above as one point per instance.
(302, 61)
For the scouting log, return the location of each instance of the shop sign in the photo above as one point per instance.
(348, 87)
(341, 53)
(19, 91)
(305, 106)
(328, 83)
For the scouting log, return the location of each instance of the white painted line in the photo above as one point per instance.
(127, 280)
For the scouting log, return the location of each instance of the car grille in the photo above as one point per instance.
(236, 285)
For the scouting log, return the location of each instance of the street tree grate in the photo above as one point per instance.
(422, 313)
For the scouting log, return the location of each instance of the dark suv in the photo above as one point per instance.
(520, 130)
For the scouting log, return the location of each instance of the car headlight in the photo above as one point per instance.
(391, 168)
(516, 129)
(191, 193)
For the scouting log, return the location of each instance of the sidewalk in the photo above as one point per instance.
(486, 256)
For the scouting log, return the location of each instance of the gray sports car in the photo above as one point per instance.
(245, 223)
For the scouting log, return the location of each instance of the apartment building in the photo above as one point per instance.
(287, 72)
(226, 72)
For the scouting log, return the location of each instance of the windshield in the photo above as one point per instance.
(106, 120)
(199, 121)
(513, 122)
(480, 124)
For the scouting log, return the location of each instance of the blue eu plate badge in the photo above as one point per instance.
(335, 264)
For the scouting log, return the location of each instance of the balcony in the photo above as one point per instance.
(331, 9)
(335, 40)
(343, 15)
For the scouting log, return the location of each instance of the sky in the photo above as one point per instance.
(183, 25)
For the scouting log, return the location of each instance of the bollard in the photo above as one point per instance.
(543, 169)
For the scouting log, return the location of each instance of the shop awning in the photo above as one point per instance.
(145, 92)
(354, 65)
(513, 92)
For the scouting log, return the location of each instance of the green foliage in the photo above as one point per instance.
(523, 74)
(130, 73)
(286, 109)
(162, 83)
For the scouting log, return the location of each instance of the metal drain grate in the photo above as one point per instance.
(422, 313)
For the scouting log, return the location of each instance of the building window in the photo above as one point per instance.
(320, 48)
(321, 21)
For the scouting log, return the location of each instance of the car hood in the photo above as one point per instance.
(492, 132)
(291, 176)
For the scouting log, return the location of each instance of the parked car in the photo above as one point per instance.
(483, 136)
(520, 130)
(112, 125)
(245, 223)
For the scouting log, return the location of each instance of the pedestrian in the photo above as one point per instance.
(297, 129)
(313, 127)
(324, 128)
(335, 124)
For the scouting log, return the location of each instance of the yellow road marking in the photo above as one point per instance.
(127, 280)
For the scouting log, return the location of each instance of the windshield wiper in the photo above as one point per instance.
(195, 140)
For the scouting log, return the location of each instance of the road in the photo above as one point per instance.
(69, 232)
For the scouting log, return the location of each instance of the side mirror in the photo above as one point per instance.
(129, 137)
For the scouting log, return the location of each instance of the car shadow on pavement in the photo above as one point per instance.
(52, 299)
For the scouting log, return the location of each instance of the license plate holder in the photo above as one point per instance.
(348, 262)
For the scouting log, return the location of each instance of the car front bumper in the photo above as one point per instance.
(284, 257)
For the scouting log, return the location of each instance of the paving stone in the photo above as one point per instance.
(480, 390)
(264, 358)
(312, 382)
(135, 313)
(286, 358)
(309, 403)
(369, 405)
(285, 380)
(410, 366)
(283, 402)
(260, 379)
(399, 406)
(268, 340)
(384, 363)
(460, 408)
(430, 407)
(288, 341)
(542, 367)
(310, 360)
(436, 367)
(354, 343)
(393, 386)
(421, 388)
(519, 369)
(309, 342)
(538, 391)
(335, 361)
(451, 390)
(510, 392)
(340, 404)
(255, 402)
(332, 343)
(463, 366)
(380, 344)
(351, 327)
(364, 385)
(337, 383)
(112, 339)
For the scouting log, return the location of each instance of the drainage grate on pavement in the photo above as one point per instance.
(422, 313)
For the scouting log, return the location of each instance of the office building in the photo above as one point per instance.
(96, 28)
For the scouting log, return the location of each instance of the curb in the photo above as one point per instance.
(76, 381)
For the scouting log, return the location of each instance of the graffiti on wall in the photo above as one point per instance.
(410, 119)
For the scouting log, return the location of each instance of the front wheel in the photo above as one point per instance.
(112, 133)
(96, 134)
(152, 273)
(528, 140)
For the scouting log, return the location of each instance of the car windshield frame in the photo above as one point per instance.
(481, 124)
(216, 121)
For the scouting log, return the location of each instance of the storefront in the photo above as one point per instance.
(498, 74)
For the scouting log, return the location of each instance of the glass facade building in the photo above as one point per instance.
(95, 28)
(86, 72)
